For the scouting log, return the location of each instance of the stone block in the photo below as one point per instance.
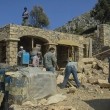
(88, 60)
(103, 83)
(92, 80)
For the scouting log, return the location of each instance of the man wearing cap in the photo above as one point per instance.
(20, 55)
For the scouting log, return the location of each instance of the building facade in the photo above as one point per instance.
(13, 36)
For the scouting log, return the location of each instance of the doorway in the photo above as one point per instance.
(28, 42)
(62, 55)
(2, 51)
(66, 53)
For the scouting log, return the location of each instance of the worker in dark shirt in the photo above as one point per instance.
(25, 17)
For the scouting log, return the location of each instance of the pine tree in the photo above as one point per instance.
(101, 11)
(38, 18)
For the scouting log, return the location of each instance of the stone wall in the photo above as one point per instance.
(17, 31)
(12, 34)
(101, 38)
(106, 34)
(4, 32)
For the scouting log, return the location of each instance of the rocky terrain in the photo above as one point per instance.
(94, 94)
(79, 24)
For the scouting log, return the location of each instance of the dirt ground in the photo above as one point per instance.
(95, 98)
(88, 97)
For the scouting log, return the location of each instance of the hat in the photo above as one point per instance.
(21, 47)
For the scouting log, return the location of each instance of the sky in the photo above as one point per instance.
(59, 12)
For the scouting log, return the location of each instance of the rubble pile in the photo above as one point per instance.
(92, 73)
(90, 70)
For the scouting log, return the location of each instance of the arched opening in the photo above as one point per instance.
(66, 53)
(28, 42)
(2, 51)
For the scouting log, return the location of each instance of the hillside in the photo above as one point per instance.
(79, 24)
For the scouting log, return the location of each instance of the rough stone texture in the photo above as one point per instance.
(103, 83)
(51, 36)
(11, 34)
(79, 24)
(106, 35)
(101, 40)
(4, 32)
(11, 52)
(100, 34)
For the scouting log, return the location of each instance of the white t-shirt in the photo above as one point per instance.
(35, 61)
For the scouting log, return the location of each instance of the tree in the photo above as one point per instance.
(101, 11)
(38, 18)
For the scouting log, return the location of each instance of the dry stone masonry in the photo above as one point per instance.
(11, 36)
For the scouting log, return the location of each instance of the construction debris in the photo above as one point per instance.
(103, 83)
(92, 74)
(55, 99)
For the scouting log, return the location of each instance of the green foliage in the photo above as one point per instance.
(79, 30)
(101, 11)
(38, 18)
(64, 29)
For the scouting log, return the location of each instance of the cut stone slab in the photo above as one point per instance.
(92, 80)
(103, 83)
(60, 79)
(61, 108)
(88, 60)
(55, 99)
(31, 83)
(71, 90)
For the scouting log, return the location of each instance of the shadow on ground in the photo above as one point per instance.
(99, 104)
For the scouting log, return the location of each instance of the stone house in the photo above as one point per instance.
(100, 41)
(13, 36)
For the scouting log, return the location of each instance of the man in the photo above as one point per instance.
(50, 60)
(20, 55)
(25, 17)
(70, 68)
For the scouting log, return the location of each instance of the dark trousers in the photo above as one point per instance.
(68, 71)
(4, 104)
(52, 69)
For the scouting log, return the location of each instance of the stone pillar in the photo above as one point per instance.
(90, 47)
(87, 50)
(11, 52)
(80, 52)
